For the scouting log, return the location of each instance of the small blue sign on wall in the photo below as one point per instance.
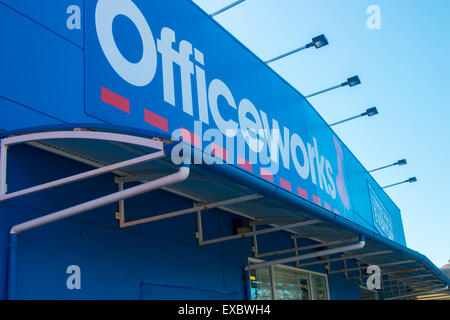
(381, 218)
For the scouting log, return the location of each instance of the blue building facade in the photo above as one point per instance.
(166, 72)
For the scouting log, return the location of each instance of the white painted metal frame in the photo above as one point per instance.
(365, 267)
(418, 293)
(34, 138)
(369, 254)
(259, 232)
(296, 248)
(359, 245)
(123, 223)
(76, 134)
(179, 176)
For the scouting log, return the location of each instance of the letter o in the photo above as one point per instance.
(296, 141)
(142, 72)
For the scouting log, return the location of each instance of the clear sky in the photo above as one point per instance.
(405, 73)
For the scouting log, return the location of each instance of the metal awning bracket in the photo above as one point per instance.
(177, 213)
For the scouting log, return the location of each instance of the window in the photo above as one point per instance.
(287, 283)
(319, 287)
(261, 285)
(290, 285)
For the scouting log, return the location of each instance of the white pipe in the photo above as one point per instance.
(418, 293)
(3, 159)
(263, 231)
(83, 175)
(190, 210)
(326, 252)
(179, 176)
(91, 135)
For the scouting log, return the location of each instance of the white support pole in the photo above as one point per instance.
(359, 272)
(294, 240)
(3, 161)
(199, 227)
(380, 265)
(409, 277)
(190, 210)
(121, 213)
(390, 273)
(264, 231)
(307, 256)
(345, 269)
(439, 289)
(90, 135)
(84, 175)
(255, 242)
(369, 254)
(296, 248)
(179, 176)
(273, 282)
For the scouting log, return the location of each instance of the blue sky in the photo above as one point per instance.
(405, 70)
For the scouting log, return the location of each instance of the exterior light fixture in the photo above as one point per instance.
(351, 82)
(319, 41)
(226, 8)
(401, 162)
(316, 42)
(369, 112)
(410, 180)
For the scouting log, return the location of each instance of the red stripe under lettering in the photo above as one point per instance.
(115, 100)
(244, 164)
(302, 193)
(156, 120)
(219, 151)
(266, 174)
(316, 200)
(191, 137)
(285, 184)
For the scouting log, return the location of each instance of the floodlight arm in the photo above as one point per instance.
(345, 120)
(383, 167)
(226, 8)
(351, 82)
(325, 90)
(288, 53)
(316, 42)
(410, 180)
(398, 163)
(369, 112)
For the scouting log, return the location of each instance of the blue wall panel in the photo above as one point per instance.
(342, 289)
(40, 69)
(20, 117)
(51, 14)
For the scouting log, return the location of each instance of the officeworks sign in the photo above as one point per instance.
(166, 67)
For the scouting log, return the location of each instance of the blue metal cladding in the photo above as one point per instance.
(40, 70)
(52, 75)
(51, 79)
